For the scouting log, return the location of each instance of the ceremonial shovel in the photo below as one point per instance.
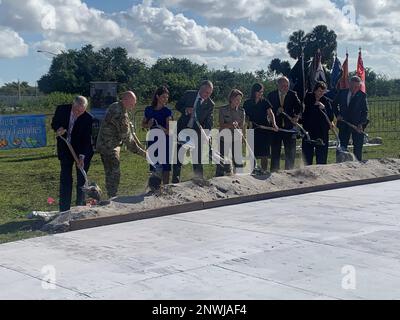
(92, 190)
(304, 133)
(341, 155)
(355, 128)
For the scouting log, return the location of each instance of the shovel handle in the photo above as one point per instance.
(297, 125)
(332, 128)
(272, 129)
(70, 149)
(354, 127)
(247, 143)
(75, 158)
(215, 153)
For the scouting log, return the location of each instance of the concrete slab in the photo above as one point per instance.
(98, 221)
(299, 247)
(209, 282)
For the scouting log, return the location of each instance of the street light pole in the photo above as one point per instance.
(45, 51)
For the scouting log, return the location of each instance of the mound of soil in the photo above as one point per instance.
(230, 187)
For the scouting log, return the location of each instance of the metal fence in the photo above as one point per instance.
(384, 115)
(12, 101)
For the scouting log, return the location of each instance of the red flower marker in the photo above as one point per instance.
(91, 203)
(50, 201)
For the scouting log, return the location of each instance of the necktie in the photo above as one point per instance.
(198, 106)
(282, 99)
(194, 114)
(72, 120)
(349, 97)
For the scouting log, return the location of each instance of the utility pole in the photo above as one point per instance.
(19, 91)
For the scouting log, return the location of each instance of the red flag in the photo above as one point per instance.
(361, 71)
(344, 80)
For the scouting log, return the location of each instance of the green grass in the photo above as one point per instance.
(30, 176)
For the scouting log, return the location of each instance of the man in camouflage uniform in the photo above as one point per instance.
(115, 130)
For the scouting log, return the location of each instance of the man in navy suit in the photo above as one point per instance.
(285, 100)
(351, 105)
(75, 125)
(196, 107)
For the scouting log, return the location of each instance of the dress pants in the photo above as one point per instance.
(197, 168)
(289, 142)
(66, 183)
(358, 140)
(320, 152)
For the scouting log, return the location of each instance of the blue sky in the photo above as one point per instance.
(243, 35)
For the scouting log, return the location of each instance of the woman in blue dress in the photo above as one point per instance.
(158, 116)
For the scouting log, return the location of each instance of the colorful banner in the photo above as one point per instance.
(18, 132)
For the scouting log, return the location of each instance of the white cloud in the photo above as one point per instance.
(150, 31)
(27, 15)
(60, 20)
(278, 15)
(12, 45)
(166, 33)
(376, 20)
(50, 46)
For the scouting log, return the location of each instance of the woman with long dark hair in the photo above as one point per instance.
(259, 112)
(158, 116)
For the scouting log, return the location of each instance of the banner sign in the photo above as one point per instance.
(22, 132)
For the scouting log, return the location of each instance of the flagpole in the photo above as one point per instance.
(303, 73)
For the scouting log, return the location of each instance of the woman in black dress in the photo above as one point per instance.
(259, 112)
(315, 122)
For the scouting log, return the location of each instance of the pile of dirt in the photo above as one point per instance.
(230, 187)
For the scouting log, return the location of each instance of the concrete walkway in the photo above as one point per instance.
(341, 244)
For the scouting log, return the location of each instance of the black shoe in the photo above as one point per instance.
(176, 179)
(259, 172)
(155, 183)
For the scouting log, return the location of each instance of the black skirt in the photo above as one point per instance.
(257, 113)
(262, 143)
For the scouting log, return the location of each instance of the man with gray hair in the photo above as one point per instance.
(351, 108)
(74, 123)
(284, 101)
(196, 108)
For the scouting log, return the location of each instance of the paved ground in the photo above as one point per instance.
(341, 244)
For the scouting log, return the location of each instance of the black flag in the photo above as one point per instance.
(297, 78)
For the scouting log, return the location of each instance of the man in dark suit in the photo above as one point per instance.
(285, 100)
(351, 105)
(195, 106)
(75, 125)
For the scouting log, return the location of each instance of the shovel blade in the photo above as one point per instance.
(93, 191)
(317, 142)
(343, 156)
